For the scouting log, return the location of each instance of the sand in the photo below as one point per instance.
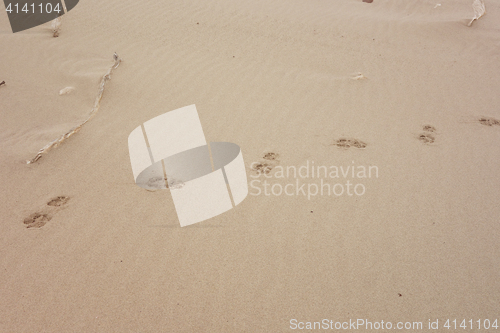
(273, 77)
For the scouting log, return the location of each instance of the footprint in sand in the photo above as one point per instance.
(271, 156)
(58, 202)
(489, 121)
(37, 220)
(262, 167)
(348, 143)
(156, 182)
(160, 183)
(429, 128)
(175, 183)
(427, 137)
(268, 162)
(45, 214)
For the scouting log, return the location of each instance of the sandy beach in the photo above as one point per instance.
(404, 87)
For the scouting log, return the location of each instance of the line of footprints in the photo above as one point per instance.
(268, 162)
(44, 215)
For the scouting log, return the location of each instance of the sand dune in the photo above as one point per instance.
(273, 77)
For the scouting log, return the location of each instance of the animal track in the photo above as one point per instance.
(268, 162)
(157, 182)
(45, 214)
(489, 121)
(271, 156)
(429, 128)
(262, 168)
(175, 183)
(427, 136)
(59, 201)
(37, 220)
(348, 143)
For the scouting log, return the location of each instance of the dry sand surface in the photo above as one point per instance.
(272, 76)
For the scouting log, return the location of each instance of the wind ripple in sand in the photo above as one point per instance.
(95, 108)
(479, 10)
